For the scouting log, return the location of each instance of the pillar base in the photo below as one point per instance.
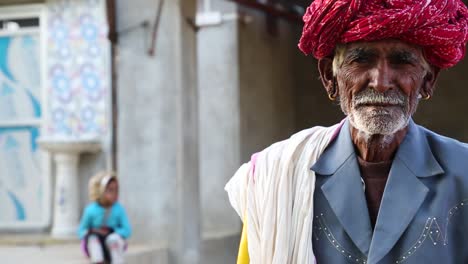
(66, 155)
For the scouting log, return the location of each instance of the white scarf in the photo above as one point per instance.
(277, 198)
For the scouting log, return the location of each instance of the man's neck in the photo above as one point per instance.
(376, 148)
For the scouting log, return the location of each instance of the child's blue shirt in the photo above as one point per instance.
(93, 216)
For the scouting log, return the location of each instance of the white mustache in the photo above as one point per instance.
(370, 96)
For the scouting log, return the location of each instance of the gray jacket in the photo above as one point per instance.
(423, 217)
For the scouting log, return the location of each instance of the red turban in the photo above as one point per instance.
(440, 27)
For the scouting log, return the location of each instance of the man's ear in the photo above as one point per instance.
(429, 81)
(325, 67)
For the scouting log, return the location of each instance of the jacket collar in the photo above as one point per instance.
(337, 153)
(423, 164)
(344, 190)
(416, 154)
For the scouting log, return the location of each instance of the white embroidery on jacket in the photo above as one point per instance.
(322, 227)
(451, 213)
(424, 235)
(431, 230)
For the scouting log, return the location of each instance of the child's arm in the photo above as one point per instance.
(85, 223)
(124, 229)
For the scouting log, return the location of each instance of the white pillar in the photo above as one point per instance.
(66, 196)
(66, 207)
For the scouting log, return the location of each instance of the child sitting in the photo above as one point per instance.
(104, 225)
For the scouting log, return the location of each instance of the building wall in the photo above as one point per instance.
(218, 84)
(24, 184)
(78, 81)
(312, 106)
(147, 140)
(246, 102)
(266, 81)
(75, 64)
(254, 89)
(78, 70)
(445, 112)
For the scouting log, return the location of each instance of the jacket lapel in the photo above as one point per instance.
(404, 192)
(344, 189)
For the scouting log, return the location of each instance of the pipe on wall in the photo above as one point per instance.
(113, 38)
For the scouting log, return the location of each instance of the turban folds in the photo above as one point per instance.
(439, 27)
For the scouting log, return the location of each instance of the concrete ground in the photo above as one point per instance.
(70, 254)
(40, 249)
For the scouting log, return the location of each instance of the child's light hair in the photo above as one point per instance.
(98, 183)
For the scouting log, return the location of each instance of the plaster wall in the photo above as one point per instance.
(219, 111)
(266, 81)
(280, 92)
(254, 89)
(147, 140)
(246, 102)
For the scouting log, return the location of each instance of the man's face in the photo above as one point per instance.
(379, 84)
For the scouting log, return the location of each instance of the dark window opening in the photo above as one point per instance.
(17, 23)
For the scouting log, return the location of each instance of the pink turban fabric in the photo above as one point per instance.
(440, 27)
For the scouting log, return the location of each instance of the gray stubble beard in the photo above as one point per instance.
(385, 121)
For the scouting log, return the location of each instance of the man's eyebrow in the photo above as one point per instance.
(359, 53)
(403, 55)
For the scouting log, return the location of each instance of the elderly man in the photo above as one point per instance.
(376, 188)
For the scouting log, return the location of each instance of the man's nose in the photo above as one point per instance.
(381, 77)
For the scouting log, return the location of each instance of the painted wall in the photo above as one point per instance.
(23, 187)
(74, 58)
(78, 69)
(78, 80)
